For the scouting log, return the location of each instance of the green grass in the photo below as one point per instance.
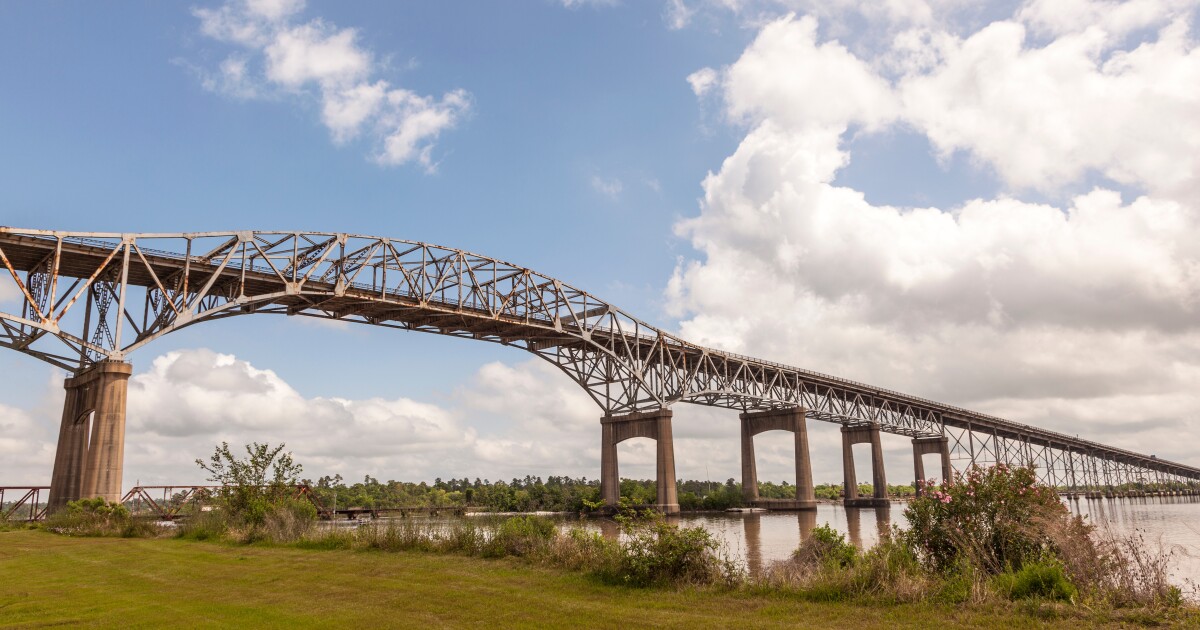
(46, 579)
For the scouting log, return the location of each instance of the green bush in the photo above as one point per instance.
(1042, 579)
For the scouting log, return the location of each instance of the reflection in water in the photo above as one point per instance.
(752, 526)
(854, 526)
(808, 522)
(883, 521)
(853, 530)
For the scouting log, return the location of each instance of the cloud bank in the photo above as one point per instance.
(1079, 316)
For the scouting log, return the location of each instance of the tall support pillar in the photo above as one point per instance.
(925, 445)
(655, 425)
(791, 419)
(859, 435)
(610, 479)
(91, 438)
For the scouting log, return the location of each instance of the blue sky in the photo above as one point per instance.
(838, 196)
(115, 132)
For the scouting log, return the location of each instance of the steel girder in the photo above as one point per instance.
(86, 297)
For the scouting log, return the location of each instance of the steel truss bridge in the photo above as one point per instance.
(81, 298)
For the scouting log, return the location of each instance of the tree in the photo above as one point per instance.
(255, 485)
(265, 466)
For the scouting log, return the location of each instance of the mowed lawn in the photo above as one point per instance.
(46, 579)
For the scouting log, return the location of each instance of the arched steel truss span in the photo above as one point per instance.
(85, 297)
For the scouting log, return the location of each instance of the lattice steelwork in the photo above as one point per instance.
(86, 297)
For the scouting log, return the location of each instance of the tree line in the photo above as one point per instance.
(553, 494)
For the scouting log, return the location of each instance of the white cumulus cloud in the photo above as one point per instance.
(277, 52)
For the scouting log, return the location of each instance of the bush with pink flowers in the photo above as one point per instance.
(993, 519)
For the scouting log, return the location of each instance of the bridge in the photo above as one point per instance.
(88, 300)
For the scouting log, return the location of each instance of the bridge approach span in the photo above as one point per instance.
(85, 298)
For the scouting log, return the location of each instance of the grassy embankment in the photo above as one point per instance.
(47, 579)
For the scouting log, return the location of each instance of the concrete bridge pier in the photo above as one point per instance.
(792, 419)
(858, 435)
(655, 425)
(925, 445)
(91, 439)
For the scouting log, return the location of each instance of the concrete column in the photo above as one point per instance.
(67, 479)
(850, 491)
(668, 487)
(925, 445)
(749, 468)
(879, 479)
(858, 435)
(655, 425)
(791, 419)
(91, 455)
(610, 478)
(806, 495)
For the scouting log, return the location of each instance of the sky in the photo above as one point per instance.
(995, 206)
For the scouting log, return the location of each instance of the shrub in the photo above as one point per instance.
(996, 519)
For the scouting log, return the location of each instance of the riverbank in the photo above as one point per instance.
(57, 580)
